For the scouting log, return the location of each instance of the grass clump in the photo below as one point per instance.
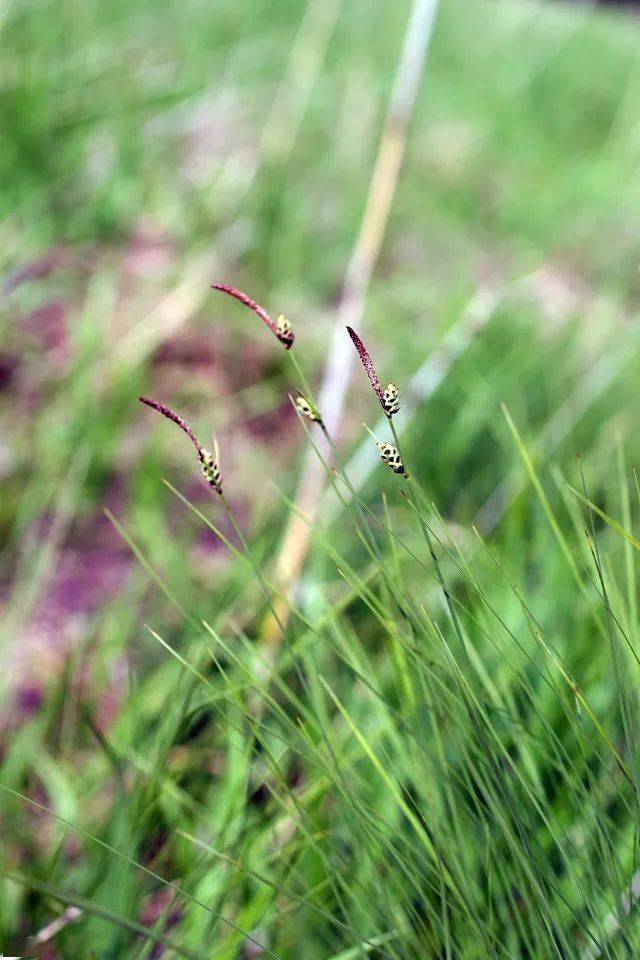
(426, 765)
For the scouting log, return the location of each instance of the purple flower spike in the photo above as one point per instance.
(210, 462)
(367, 362)
(170, 415)
(280, 327)
(389, 397)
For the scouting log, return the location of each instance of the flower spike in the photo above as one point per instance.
(307, 409)
(391, 400)
(367, 362)
(171, 415)
(211, 468)
(280, 327)
(210, 463)
(389, 397)
(389, 454)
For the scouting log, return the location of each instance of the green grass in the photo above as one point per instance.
(424, 772)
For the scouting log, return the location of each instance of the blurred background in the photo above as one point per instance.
(149, 148)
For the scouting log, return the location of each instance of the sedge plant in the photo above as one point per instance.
(422, 767)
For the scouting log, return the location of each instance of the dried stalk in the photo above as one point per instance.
(335, 381)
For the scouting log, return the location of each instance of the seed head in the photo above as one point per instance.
(389, 397)
(211, 470)
(284, 331)
(391, 400)
(280, 327)
(307, 409)
(210, 463)
(390, 455)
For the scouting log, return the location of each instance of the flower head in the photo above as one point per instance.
(210, 462)
(391, 455)
(389, 397)
(211, 468)
(284, 331)
(307, 409)
(281, 327)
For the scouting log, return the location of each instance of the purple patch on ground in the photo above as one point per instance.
(8, 367)
(86, 578)
(30, 697)
(157, 906)
(48, 325)
(35, 270)
(173, 920)
(90, 570)
(268, 425)
(185, 351)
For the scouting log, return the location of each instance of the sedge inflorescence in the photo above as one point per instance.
(389, 397)
(280, 327)
(210, 462)
(391, 455)
(307, 409)
(211, 470)
(389, 401)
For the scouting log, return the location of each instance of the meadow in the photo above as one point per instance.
(407, 728)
